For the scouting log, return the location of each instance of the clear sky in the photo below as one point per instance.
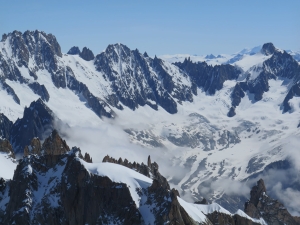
(159, 27)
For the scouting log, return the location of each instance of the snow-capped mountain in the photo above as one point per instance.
(205, 124)
(213, 59)
(222, 58)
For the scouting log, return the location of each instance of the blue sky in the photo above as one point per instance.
(159, 27)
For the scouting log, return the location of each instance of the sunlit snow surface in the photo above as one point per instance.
(8, 166)
(135, 181)
(198, 211)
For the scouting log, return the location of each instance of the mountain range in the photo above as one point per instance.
(215, 128)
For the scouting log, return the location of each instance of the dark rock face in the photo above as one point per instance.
(41, 47)
(37, 121)
(34, 148)
(74, 51)
(87, 54)
(261, 205)
(44, 47)
(238, 93)
(5, 126)
(166, 212)
(87, 158)
(294, 91)
(99, 106)
(40, 90)
(231, 112)
(10, 91)
(138, 80)
(210, 78)
(268, 49)
(54, 145)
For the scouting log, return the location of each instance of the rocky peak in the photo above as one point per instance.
(55, 145)
(87, 54)
(74, 51)
(145, 54)
(268, 49)
(35, 147)
(43, 38)
(4, 37)
(5, 126)
(37, 121)
(38, 106)
(257, 191)
(87, 158)
(211, 56)
(41, 46)
(6, 147)
(261, 205)
(149, 161)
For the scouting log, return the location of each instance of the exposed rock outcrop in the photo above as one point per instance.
(37, 121)
(293, 92)
(272, 211)
(170, 211)
(210, 78)
(87, 158)
(74, 51)
(99, 106)
(87, 54)
(55, 145)
(40, 90)
(268, 49)
(34, 148)
(5, 126)
(6, 147)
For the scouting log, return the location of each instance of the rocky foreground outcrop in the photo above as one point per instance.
(54, 184)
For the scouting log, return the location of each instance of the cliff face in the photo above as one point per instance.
(272, 211)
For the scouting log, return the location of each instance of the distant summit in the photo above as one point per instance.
(86, 53)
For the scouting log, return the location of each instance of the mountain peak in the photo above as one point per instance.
(211, 56)
(268, 49)
(55, 145)
(74, 51)
(87, 54)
